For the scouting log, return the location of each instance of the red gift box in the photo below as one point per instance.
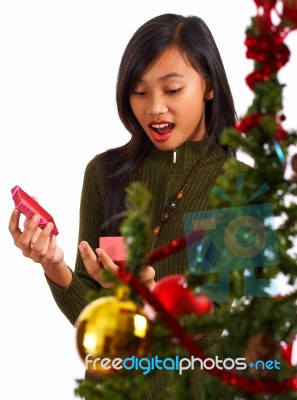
(115, 247)
(29, 207)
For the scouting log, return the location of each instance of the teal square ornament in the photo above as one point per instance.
(234, 238)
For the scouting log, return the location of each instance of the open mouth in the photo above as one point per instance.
(161, 131)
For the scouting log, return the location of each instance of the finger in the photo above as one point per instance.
(147, 276)
(50, 252)
(107, 262)
(40, 245)
(147, 273)
(14, 224)
(27, 220)
(36, 235)
(89, 259)
(24, 240)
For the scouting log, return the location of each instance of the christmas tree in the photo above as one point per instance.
(257, 213)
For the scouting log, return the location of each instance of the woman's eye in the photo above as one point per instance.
(173, 91)
(140, 93)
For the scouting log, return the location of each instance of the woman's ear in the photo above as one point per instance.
(208, 93)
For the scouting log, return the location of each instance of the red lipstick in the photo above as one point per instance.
(161, 130)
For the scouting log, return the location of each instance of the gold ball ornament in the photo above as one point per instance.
(112, 328)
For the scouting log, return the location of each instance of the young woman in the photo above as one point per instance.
(173, 97)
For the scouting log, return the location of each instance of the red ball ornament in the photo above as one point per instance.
(175, 296)
(249, 122)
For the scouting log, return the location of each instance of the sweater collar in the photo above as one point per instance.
(186, 156)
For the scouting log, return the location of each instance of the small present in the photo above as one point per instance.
(29, 207)
(115, 247)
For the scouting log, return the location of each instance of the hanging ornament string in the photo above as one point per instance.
(186, 340)
(180, 194)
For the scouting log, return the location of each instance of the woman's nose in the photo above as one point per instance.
(156, 106)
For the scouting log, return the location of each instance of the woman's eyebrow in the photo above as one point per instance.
(167, 76)
(171, 75)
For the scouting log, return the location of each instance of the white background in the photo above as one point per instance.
(58, 67)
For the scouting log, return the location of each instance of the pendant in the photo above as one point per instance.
(174, 156)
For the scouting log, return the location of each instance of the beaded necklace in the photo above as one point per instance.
(180, 194)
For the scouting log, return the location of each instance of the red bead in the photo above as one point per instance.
(165, 217)
(282, 117)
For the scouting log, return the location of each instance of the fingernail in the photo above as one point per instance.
(99, 253)
(82, 246)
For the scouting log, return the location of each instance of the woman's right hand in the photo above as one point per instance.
(96, 263)
(36, 244)
(99, 261)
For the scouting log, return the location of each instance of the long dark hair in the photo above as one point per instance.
(193, 38)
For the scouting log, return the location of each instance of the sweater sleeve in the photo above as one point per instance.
(72, 300)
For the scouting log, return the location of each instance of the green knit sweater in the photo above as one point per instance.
(164, 179)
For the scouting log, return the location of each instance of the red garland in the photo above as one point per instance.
(268, 50)
(175, 246)
(227, 377)
(249, 122)
(252, 121)
(267, 47)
